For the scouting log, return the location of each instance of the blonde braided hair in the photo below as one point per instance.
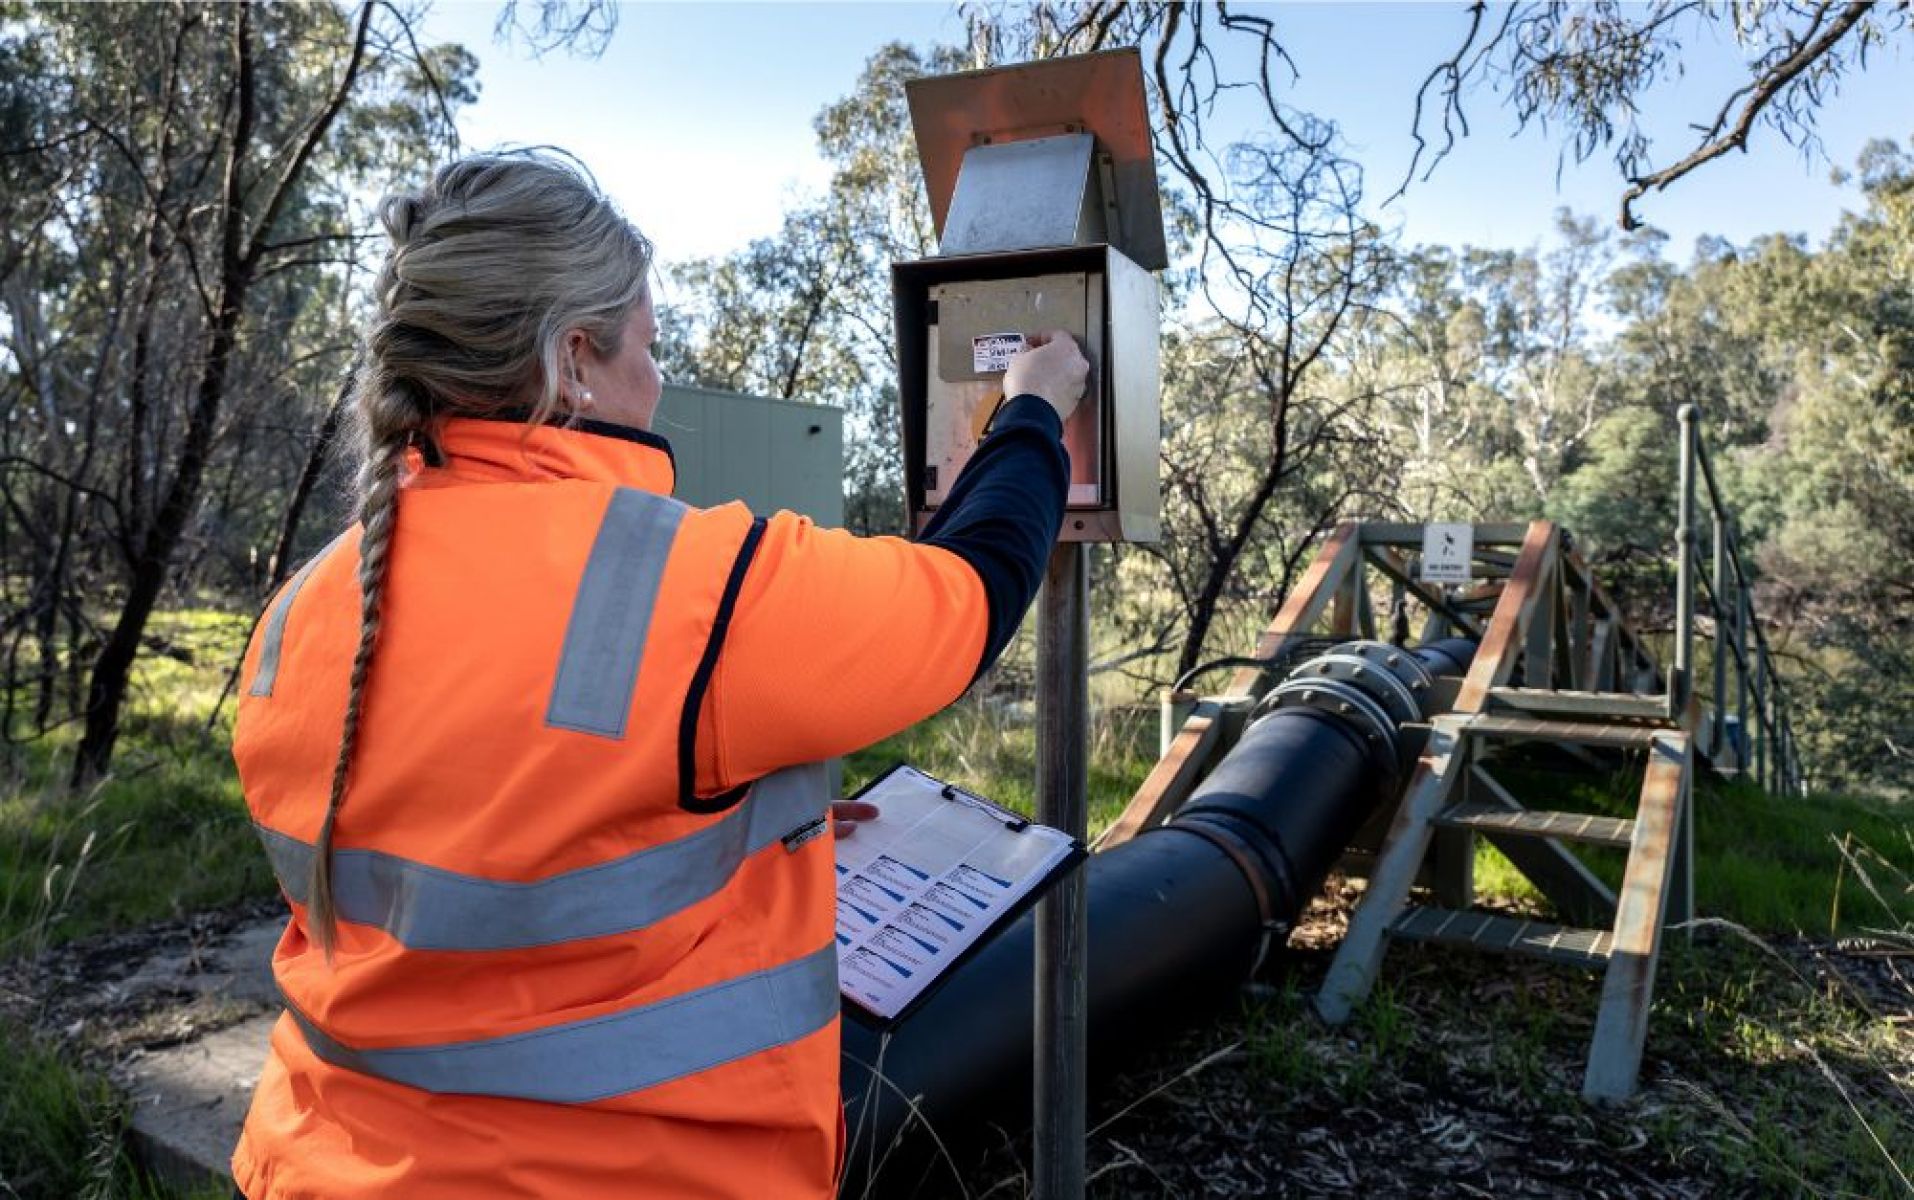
(491, 266)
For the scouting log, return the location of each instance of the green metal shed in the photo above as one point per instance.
(771, 454)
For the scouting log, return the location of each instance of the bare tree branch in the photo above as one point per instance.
(315, 134)
(1761, 95)
(581, 27)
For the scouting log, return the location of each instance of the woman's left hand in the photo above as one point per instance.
(845, 814)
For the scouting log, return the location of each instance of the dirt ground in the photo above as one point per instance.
(1463, 1080)
(120, 995)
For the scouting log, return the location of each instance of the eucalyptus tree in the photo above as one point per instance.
(184, 186)
(1547, 391)
(805, 313)
(1834, 484)
(1685, 337)
(1587, 69)
(1296, 336)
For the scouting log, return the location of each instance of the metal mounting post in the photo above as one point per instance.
(1718, 604)
(1060, 1070)
(1761, 712)
(1681, 681)
(1743, 644)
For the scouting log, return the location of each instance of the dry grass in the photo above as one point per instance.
(1772, 1068)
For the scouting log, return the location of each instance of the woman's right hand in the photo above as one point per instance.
(1050, 366)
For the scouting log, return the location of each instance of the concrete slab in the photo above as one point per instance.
(237, 968)
(188, 1101)
(189, 1087)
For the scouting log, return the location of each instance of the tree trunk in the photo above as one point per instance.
(239, 267)
(308, 480)
(106, 690)
(1223, 565)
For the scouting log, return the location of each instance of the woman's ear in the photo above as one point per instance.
(571, 363)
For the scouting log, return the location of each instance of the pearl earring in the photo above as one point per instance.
(584, 398)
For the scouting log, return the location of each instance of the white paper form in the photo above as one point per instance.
(926, 879)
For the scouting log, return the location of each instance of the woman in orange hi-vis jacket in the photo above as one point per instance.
(529, 745)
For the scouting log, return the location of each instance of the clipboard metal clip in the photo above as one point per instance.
(1011, 820)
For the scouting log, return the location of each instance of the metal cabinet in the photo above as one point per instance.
(771, 454)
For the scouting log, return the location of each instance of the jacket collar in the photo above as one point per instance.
(507, 450)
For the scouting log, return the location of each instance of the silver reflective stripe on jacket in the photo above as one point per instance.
(611, 615)
(429, 908)
(583, 1061)
(276, 623)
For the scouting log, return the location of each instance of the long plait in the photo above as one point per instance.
(492, 266)
(378, 513)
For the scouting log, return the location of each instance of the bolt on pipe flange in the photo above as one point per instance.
(1402, 663)
(1381, 683)
(1341, 699)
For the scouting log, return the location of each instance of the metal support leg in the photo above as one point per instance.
(1538, 651)
(1345, 616)
(1621, 1027)
(1681, 680)
(1359, 957)
(1176, 709)
(1455, 868)
(1724, 623)
(1743, 752)
(1761, 717)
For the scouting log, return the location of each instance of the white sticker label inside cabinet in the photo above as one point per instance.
(993, 351)
(1447, 552)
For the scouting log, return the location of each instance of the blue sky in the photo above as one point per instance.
(697, 120)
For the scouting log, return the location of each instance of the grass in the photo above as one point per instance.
(140, 847)
(1798, 1085)
(1760, 1078)
(1778, 864)
(1765, 1061)
(62, 1131)
(1276, 1035)
(165, 834)
(1765, 1075)
(61, 1127)
(989, 747)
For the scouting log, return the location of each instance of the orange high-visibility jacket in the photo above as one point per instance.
(572, 961)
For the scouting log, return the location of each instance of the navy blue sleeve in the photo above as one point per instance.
(1003, 513)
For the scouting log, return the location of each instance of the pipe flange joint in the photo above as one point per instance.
(1400, 661)
(1379, 682)
(1341, 699)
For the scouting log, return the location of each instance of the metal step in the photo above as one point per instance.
(1580, 733)
(1505, 935)
(1624, 706)
(1529, 822)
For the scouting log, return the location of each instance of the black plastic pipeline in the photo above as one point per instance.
(1179, 916)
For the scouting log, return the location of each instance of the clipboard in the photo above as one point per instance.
(1053, 855)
